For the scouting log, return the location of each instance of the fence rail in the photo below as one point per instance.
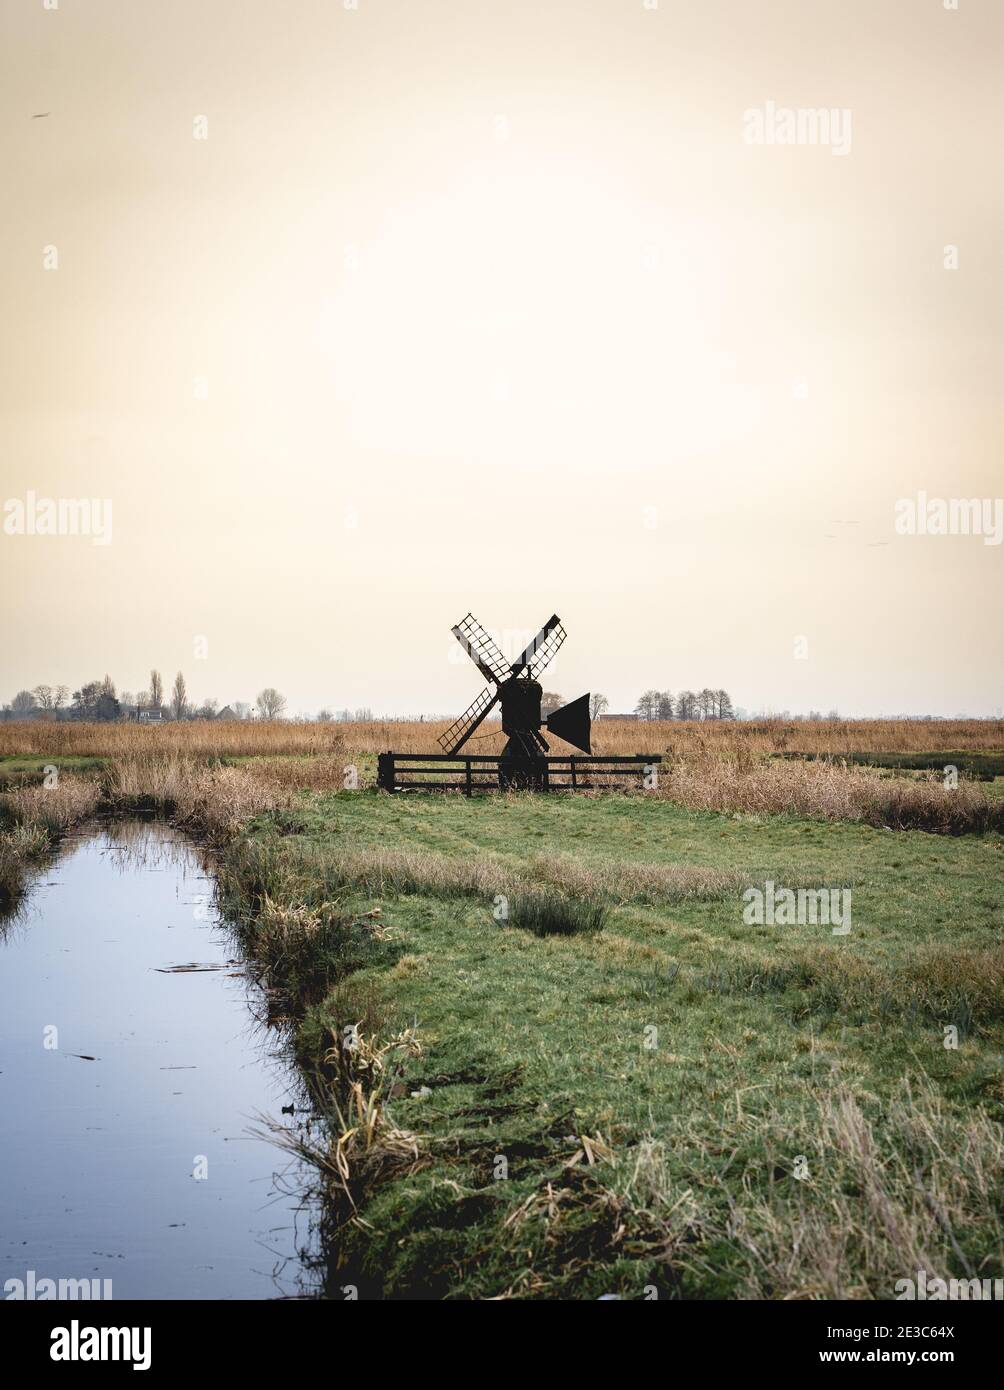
(482, 771)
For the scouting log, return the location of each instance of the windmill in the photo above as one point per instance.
(515, 687)
(526, 761)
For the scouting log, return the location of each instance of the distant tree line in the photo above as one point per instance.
(689, 704)
(99, 701)
(656, 704)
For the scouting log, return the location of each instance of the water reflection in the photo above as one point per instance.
(128, 1087)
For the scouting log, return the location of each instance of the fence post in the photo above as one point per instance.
(470, 788)
(572, 761)
(385, 771)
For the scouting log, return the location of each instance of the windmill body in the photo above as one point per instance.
(522, 762)
(521, 718)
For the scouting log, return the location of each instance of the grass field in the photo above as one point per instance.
(555, 1059)
(651, 1086)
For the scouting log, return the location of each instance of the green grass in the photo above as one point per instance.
(701, 1056)
(21, 771)
(546, 912)
(985, 766)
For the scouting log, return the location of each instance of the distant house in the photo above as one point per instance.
(150, 716)
(227, 713)
(618, 716)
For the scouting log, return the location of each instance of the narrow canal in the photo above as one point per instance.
(128, 1085)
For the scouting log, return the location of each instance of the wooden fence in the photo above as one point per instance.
(480, 772)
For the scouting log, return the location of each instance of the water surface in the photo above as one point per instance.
(98, 1159)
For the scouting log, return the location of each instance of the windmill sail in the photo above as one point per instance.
(543, 647)
(461, 729)
(481, 647)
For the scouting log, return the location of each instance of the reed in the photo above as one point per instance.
(32, 820)
(742, 740)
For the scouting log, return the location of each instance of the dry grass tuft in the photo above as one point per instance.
(55, 808)
(881, 1201)
(215, 800)
(827, 791)
(32, 820)
(382, 872)
(20, 847)
(362, 1145)
(620, 881)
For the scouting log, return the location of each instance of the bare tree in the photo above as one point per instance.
(597, 704)
(686, 705)
(241, 708)
(324, 716)
(45, 696)
(23, 702)
(61, 696)
(270, 703)
(665, 706)
(179, 696)
(85, 700)
(549, 702)
(648, 705)
(156, 690)
(724, 702)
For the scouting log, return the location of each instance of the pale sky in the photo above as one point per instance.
(490, 305)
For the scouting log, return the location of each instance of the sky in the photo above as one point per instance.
(353, 319)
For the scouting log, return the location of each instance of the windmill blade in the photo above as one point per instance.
(461, 729)
(481, 647)
(546, 651)
(543, 647)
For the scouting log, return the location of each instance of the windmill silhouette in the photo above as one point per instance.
(516, 688)
(526, 761)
